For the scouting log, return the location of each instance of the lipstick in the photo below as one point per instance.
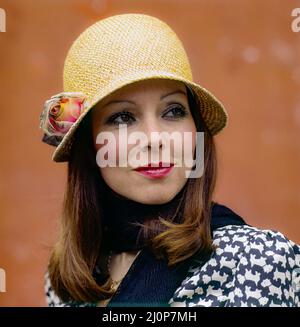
(155, 172)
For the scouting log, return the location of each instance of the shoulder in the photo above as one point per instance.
(53, 300)
(247, 238)
(250, 267)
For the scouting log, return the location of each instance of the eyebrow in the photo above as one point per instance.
(161, 98)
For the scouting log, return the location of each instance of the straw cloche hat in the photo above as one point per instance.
(110, 54)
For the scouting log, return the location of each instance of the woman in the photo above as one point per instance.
(138, 231)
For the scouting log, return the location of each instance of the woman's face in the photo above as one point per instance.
(148, 106)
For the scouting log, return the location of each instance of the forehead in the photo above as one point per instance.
(150, 86)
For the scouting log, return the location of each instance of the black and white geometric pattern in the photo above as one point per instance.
(251, 267)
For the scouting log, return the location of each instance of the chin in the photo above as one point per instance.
(154, 199)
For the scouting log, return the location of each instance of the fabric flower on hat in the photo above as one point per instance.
(60, 112)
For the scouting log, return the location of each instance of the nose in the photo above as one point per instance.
(153, 143)
(152, 129)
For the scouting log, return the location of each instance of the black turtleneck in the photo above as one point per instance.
(120, 214)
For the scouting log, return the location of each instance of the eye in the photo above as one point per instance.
(123, 117)
(177, 111)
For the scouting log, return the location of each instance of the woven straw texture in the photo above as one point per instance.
(123, 49)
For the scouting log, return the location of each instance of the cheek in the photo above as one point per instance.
(108, 144)
(185, 146)
(116, 178)
(116, 153)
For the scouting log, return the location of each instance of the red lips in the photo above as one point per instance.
(151, 166)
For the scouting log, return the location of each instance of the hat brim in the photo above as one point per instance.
(212, 110)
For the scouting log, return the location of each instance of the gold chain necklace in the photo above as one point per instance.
(115, 283)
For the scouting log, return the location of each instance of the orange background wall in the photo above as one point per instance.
(244, 51)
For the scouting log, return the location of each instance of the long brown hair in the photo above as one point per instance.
(74, 256)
